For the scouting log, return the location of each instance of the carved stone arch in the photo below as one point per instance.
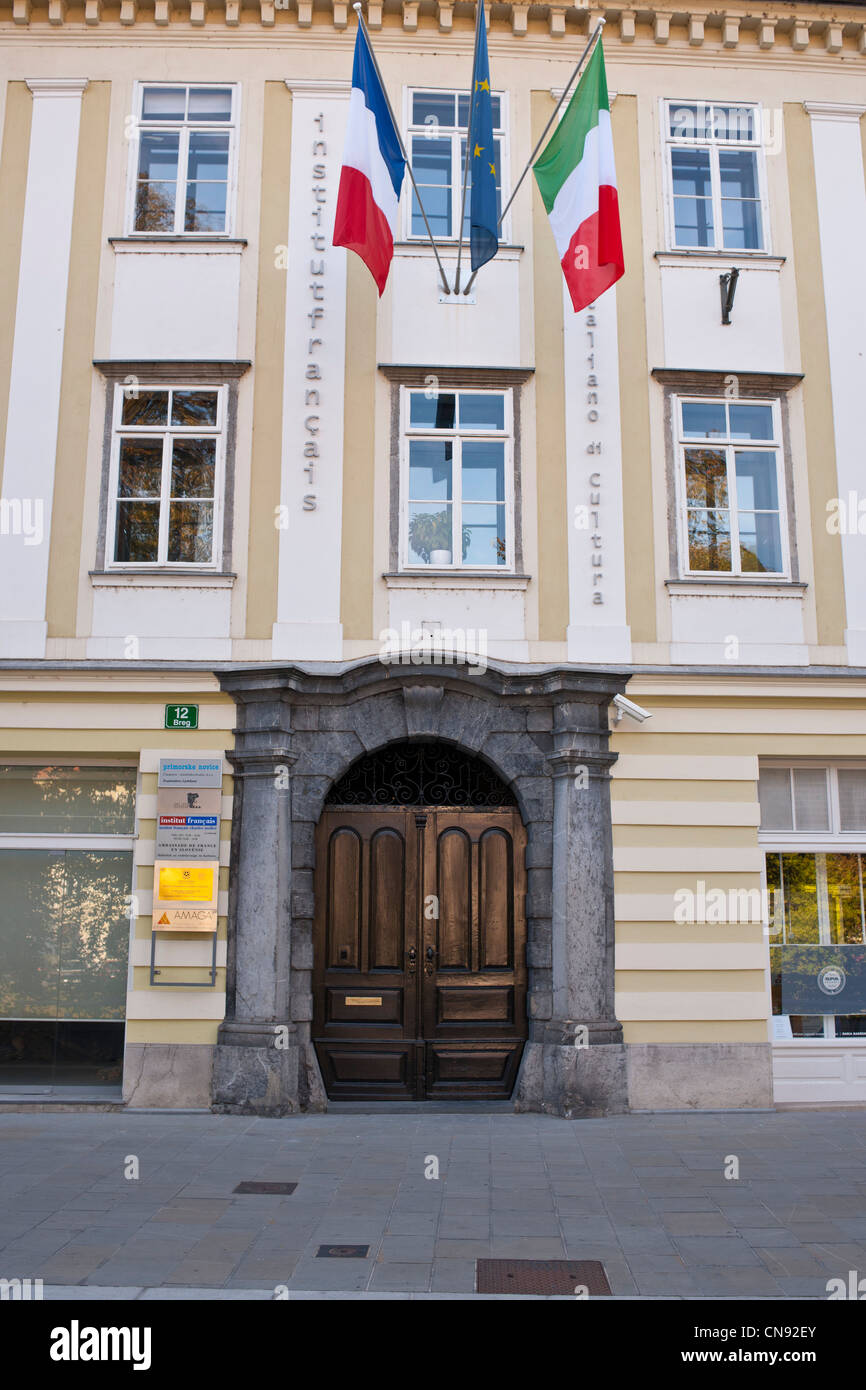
(536, 727)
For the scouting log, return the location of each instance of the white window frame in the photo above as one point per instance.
(501, 132)
(714, 145)
(784, 840)
(418, 432)
(812, 842)
(183, 128)
(167, 432)
(735, 573)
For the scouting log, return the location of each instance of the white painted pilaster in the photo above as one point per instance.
(37, 363)
(597, 629)
(839, 180)
(310, 539)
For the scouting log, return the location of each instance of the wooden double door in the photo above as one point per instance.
(420, 953)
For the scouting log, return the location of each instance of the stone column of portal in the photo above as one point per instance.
(583, 1058)
(259, 1065)
(27, 470)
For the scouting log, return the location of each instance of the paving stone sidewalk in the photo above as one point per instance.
(645, 1194)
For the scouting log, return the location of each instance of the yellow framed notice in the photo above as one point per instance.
(194, 881)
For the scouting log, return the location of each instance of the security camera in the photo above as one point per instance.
(624, 706)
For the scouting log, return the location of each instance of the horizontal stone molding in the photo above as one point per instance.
(449, 579)
(748, 383)
(178, 245)
(817, 31)
(834, 111)
(171, 371)
(417, 375)
(715, 260)
(294, 684)
(161, 579)
(57, 86)
(750, 588)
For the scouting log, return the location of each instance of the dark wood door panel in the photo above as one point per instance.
(368, 1070)
(359, 1005)
(387, 910)
(343, 900)
(420, 972)
(472, 1071)
(467, 1006)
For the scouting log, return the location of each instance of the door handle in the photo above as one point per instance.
(430, 953)
(431, 956)
(412, 959)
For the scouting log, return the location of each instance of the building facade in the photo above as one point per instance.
(317, 610)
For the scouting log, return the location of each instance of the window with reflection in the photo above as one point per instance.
(457, 479)
(66, 838)
(730, 470)
(813, 826)
(166, 474)
(715, 172)
(183, 159)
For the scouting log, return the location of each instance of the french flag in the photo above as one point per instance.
(372, 174)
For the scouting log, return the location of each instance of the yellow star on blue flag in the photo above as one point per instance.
(483, 203)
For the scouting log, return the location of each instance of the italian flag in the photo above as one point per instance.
(577, 180)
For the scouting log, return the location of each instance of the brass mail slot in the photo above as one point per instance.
(371, 1000)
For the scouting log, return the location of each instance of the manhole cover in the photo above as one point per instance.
(266, 1189)
(541, 1276)
(342, 1252)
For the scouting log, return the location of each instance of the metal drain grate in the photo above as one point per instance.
(342, 1252)
(541, 1277)
(266, 1189)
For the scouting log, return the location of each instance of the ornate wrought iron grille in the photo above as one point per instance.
(420, 774)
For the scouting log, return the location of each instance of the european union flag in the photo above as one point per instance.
(482, 153)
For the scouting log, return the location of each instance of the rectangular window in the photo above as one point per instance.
(183, 153)
(732, 487)
(166, 476)
(457, 479)
(67, 799)
(437, 146)
(66, 840)
(715, 173)
(813, 827)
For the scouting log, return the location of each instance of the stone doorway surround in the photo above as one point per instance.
(544, 730)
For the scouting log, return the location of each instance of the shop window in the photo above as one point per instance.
(65, 903)
(813, 826)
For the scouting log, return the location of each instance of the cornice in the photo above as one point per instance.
(56, 86)
(418, 375)
(837, 28)
(318, 87)
(152, 370)
(748, 383)
(834, 111)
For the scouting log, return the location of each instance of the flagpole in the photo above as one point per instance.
(478, 5)
(357, 9)
(592, 38)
